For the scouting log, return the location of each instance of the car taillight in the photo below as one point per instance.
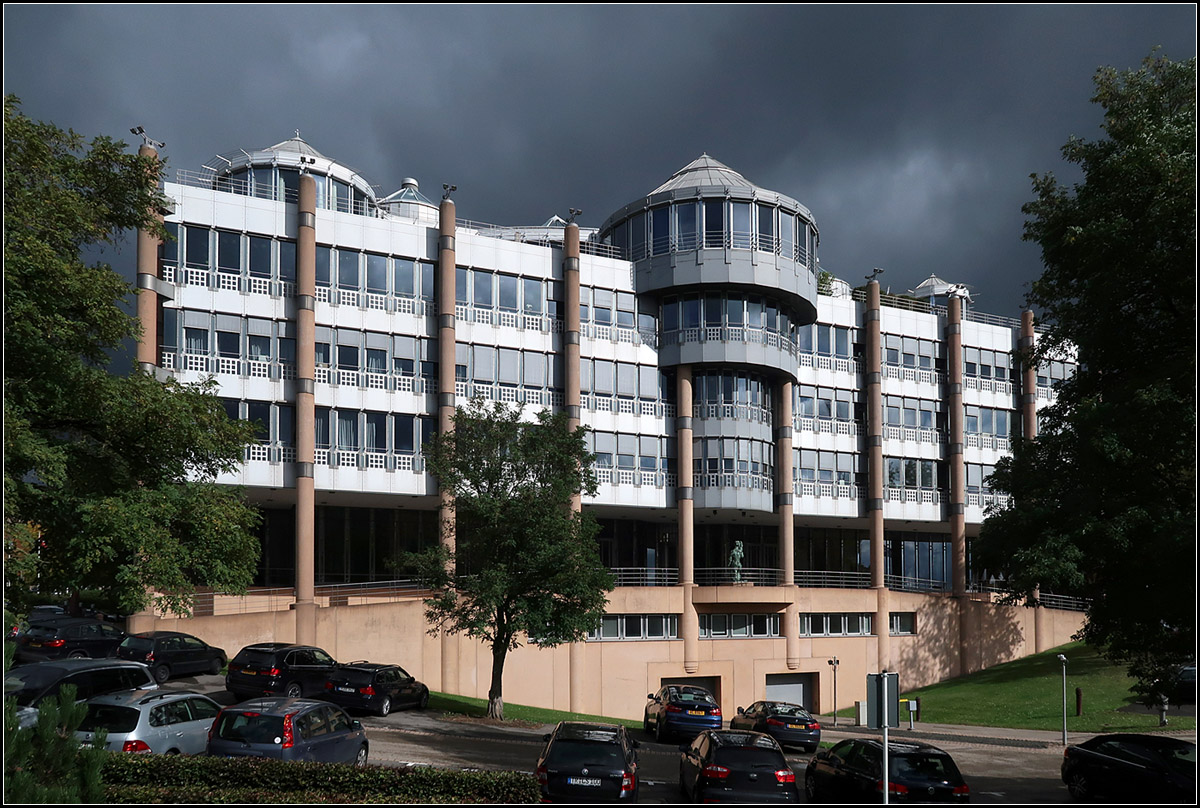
(774, 722)
(627, 781)
(369, 690)
(543, 776)
(715, 711)
(963, 790)
(814, 725)
(150, 657)
(671, 708)
(715, 772)
(273, 672)
(54, 643)
(893, 788)
(785, 776)
(135, 746)
(289, 738)
(329, 685)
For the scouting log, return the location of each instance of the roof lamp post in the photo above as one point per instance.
(833, 663)
(1063, 660)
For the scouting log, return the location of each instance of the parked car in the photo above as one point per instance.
(852, 771)
(288, 729)
(585, 762)
(1183, 689)
(789, 724)
(38, 614)
(374, 687)
(30, 684)
(172, 653)
(170, 722)
(735, 766)
(279, 668)
(68, 638)
(680, 709)
(1131, 768)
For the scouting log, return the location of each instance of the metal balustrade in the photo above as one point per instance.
(718, 576)
(832, 579)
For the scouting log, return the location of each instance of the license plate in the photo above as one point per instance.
(696, 712)
(795, 726)
(35, 645)
(345, 690)
(583, 781)
(249, 673)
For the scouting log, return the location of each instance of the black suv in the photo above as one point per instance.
(30, 684)
(375, 687)
(585, 762)
(279, 669)
(852, 771)
(68, 637)
(172, 653)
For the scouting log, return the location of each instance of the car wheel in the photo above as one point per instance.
(659, 735)
(214, 668)
(424, 700)
(810, 787)
(360, 760)
(385, 706)
(1078, 786)
(161, 673)
(294, 691)
(77, 655)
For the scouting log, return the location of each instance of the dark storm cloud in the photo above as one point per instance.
(909, 131)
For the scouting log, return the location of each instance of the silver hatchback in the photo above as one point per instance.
(150, 721)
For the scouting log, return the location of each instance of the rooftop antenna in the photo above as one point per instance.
(149, 141)
(306, 162)
(447, 190)
(875, 273)
(574, 212)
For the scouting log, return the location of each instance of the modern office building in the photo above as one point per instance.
(840, 439)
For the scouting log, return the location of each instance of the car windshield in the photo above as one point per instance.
(138, 644)
(692, 694)
(790, 711)
(43, 631)
(28, 682)
(111, 717)
(584, 753)
(1182, 758)
(355, 676)
(742, 758)
(250, 727)
(258, 657)
(926, 767)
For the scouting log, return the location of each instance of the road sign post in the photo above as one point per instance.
(883, 711)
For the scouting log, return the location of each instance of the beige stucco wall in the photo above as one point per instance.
(618, 675)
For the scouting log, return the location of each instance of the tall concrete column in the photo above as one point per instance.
(148, 282)
(689, 621)
(875, 472)
(446, 361)
(576, 656)
(1042, 639)
(784, 495)
(306, 339)
(958, 475)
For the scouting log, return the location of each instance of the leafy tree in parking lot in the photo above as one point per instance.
(525, 564)
(108, 480)
(1103, 502)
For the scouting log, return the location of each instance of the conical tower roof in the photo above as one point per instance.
(705, 172)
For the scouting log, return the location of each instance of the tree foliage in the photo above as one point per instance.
(108, 480)
(525, 564)
(1103, 502)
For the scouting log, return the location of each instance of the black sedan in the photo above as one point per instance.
(1131, 768)
(735, 766)
(374, 687)
(172, 653)
(788, 723)
(585, 762)
(852, 771)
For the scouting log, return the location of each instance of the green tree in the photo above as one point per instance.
(526, 564)
(108, 479)
(1103, 502)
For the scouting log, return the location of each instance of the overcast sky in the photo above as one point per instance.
(909, 131)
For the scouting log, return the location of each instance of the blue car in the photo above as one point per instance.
(680, 710)
(288, 729)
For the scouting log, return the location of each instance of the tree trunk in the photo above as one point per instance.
(496, 692)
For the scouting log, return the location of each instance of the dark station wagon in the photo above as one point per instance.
(279, 669)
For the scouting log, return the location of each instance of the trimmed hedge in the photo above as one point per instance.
(129, 778)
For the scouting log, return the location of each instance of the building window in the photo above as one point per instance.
(902, 623)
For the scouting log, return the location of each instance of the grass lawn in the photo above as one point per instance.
(477, 708)
(1027, 694)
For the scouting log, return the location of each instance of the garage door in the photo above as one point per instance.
(798, 688)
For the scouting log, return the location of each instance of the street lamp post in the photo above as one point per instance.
(833, 663)
(1063, 660)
